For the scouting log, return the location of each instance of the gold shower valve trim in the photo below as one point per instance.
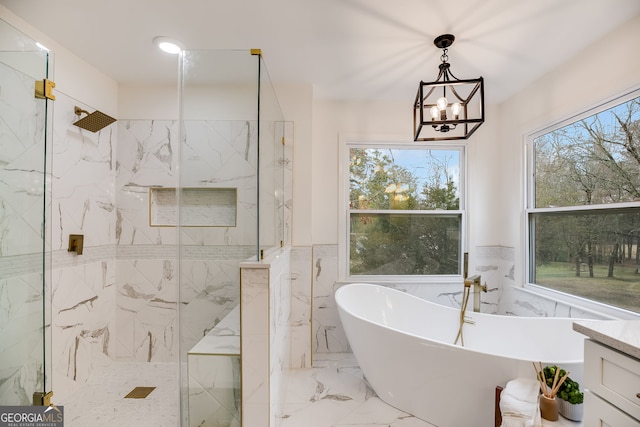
(76, 243)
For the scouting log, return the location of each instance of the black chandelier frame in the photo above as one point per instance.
(467, 93)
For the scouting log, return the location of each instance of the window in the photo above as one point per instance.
(403, 211)
(584, 206)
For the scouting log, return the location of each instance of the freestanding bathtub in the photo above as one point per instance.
(404, 346)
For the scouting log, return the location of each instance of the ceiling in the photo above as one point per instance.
(348, 49)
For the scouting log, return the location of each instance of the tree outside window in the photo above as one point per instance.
(584, 218)
(404, 213)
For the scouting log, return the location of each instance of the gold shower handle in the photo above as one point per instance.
(76, 243)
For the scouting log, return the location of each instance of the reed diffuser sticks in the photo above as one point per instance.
(544, 387)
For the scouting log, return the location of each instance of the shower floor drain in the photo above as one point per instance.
(139, 392)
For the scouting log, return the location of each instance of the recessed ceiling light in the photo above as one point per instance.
(168, 45)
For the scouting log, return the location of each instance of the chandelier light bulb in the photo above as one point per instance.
(455, 109)
(434, 112)
(442, 103)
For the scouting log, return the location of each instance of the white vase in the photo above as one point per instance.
(570, 411)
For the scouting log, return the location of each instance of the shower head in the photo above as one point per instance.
(93, 122)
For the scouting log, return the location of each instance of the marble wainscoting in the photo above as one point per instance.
(495, 266)
(327, 334)
(518, 301)
(265, 312)
(300, 322)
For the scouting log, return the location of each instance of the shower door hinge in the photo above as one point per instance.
(256, 52)
(42, 399)
(44, 89)
(283, 140)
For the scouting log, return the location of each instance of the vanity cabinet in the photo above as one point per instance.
(612, 383)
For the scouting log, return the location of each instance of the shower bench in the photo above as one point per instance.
(213, 366)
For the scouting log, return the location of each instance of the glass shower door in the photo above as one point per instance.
(24, 207)
(230, 209)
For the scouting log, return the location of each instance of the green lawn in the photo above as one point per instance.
(622, 290)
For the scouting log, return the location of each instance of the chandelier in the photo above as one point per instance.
(448, 108)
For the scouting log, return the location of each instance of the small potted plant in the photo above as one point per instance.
(571, 400)
(570, 403)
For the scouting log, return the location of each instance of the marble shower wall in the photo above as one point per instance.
(215, 154)
(146, 257)
(118, 300)
(83, 286)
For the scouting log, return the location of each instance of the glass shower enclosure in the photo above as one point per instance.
(231, 208)
(25, 203)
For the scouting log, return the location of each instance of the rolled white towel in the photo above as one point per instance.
(525, 389)
(519, 403)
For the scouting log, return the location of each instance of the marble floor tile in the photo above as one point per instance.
(100, 402)
(332, 394)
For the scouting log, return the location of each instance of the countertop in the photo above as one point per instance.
(562, 422)
(621, 335)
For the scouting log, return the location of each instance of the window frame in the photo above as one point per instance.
(346, 142)
(598, 308)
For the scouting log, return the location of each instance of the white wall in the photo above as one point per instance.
(296, 102)
(330, 120)
(495, 151)
(72, 76)
(604, 70)
(153, 102)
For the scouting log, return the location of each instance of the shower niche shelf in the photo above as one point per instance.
(200, 207)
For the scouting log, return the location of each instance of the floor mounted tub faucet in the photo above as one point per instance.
(477, 288)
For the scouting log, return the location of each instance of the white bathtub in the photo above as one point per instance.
(404, 346)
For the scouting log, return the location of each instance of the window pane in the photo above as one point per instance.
(404, 244)
(595, 160)
(589, 254)
(406, 179)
